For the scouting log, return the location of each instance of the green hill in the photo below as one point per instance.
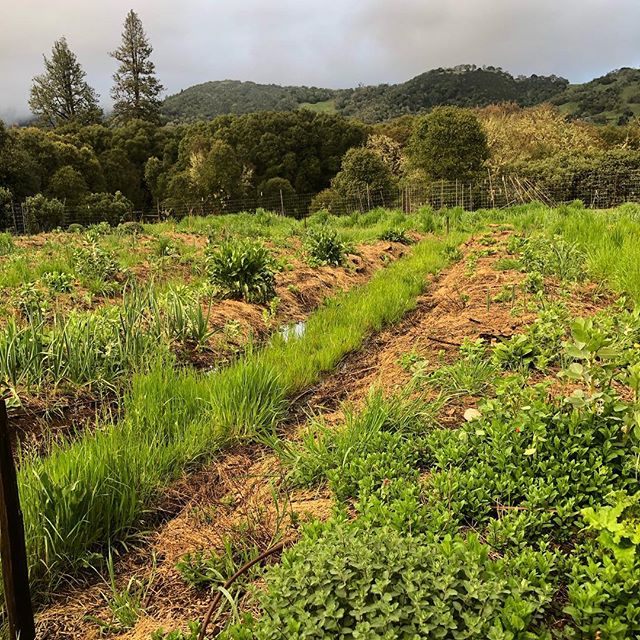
(464, 86)
(210, 99)
(613, 98)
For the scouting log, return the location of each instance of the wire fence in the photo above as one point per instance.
(599, 191)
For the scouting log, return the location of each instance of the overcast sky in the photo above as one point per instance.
(331, 43)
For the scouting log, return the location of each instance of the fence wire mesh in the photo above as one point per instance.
(599, 191)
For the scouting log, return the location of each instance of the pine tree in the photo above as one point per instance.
(136, 87)
(61, 94)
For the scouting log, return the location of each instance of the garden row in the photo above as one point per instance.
(520, 523)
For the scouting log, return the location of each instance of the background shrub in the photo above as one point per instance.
(107, 207)
(42, 214)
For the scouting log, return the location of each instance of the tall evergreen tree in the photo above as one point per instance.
(136, 87)
(61, 94)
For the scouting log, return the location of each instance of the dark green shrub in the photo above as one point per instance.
(113, 208)
(327, 200)
(75, 228)
(6, 217)
(130, 228)
(42, 214)
(242, 270)
(325, 247)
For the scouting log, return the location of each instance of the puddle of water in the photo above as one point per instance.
(293, 331)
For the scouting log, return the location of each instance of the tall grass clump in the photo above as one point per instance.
(242, 270)
(325, 247)
(7, 245)
(97, 490)
(97, 350)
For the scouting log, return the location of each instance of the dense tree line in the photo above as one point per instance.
(466, 86)
(227, 158)
(108, 170)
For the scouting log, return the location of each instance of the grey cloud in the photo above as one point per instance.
(332, 43)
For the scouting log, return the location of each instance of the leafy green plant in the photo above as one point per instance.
(346, 582)
(325, 247)
(452, 253)
(396, 235)
(57, 281)
(553, 256)
(91, 262)
(540, 345)
(533, 282)
(604, 595)
(242, 270)
(96, 231)
(165, 248)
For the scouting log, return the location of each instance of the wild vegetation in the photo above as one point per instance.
(610, 99)
(531, 536)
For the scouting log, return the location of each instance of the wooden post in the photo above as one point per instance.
(15, 573)
(281, 202)
(368, 199)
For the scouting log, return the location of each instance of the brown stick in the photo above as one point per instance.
(441, 341)
(243, 569)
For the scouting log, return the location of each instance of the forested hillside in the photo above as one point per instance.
(210, 99)
(464, 86)
(611, 99)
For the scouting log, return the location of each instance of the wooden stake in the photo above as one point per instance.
(15, 572)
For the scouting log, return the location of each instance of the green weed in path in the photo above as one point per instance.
(98, 488)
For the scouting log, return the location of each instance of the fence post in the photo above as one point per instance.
(15, 573)
(13, 215)
(281, 202)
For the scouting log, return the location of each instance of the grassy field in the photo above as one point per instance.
(448, 448)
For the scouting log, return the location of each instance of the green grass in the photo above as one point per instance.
(326, 106)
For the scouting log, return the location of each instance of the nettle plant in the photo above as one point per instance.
(242, 270)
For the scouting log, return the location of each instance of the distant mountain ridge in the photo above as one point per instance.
(612, 98)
